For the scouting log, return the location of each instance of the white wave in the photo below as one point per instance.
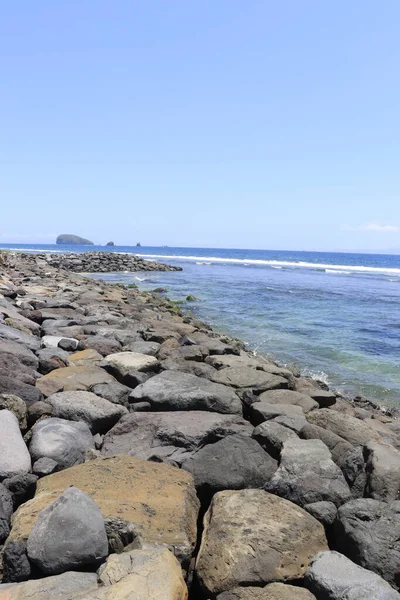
(280, 263)
(203, 263)
(337, 272)
(140, 278)
(276, 267)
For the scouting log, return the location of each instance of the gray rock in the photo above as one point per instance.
(68, 534)
(249, 378)
(173, 435)
(6, 510)
(368, 531)
(16, 566)
(24, 355)
(289, 415)
(353, 468)
(271, 436)
(150, 348)
(325, 512)
(102, 344)
(58, 587)
(338, 446)
(354, 431)
(63, 441)
(307, 474)
(11, 385)
(44, 466)
(173, 390)
(114, 392)
(289, 397)
(332, 576)
(22, 487)
(11, 334)
(382, 471)
(234, 463)
(14, 455)
(98, 413)
(272, 591)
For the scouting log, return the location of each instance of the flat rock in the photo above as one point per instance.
(332, 576)
(338, 446)
(72, 378)
(114, 392)
(180, 433)
(234, 463)
(141, 347)
(253, 538)
(98, 413)
(122, 363)
(244, 360)
(351, 429)
(173, 390)
(249, 378)
(368, 531)
(289, 397)
(382, 471)
(63, 441)
(158, 499)
(11, 334)
(272, 591)
(28, 393)
(24, 355)
(271, 436)
(68, 534)
(289, 415)
(14, 455)
(307, 474)
(60, 587)
(324, 398)
(83, 358)
(102, 344)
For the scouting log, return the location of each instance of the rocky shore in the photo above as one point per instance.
(89, 262)
(143, 456)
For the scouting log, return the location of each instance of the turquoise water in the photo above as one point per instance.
(336, 316)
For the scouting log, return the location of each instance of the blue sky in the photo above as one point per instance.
(218, 123)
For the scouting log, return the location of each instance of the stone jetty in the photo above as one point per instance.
(143, 456)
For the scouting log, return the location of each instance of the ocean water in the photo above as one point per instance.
(334, 315)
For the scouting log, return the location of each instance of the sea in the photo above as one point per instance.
(336, 316)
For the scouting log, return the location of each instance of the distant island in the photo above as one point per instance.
(110, 244)
(68, 238)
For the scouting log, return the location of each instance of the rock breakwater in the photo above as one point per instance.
(138, 445)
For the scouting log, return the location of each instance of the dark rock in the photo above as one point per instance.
(70, 239)
(289, 415)
(382, 472)
(307, 474)
(353, 468)
(325, 512)
(122, 535)
(271, 436)
(103, 345)
(68, 344)
(16, 566)
(249, 378)
(22, 488)
(10, 334)
(10, 366)
(234, 463)
(68, 534)
(24, 355)
(28, 393)
(110, 244)
(52, 358)
(114, 392)
(37, 410)
(368, 531)
(6, 511)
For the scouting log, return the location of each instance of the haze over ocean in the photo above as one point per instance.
(334, 315)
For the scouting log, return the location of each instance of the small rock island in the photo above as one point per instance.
(76, 240)
(110, 244)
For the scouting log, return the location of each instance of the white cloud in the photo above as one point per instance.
(372, 227)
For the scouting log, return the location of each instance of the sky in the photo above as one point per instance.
(201, 123)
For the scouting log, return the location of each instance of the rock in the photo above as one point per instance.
(110, 244)
(63, 441)
(22, 487)
(6, 511)
(24, 355)
(37, 410)
(307, 474)
(289, 415)
(102, 344)
(353, 469)
(14, 455)
(332, 576)
(98, 413)
(68, 344)
(141, 347)
(10, 334)
(272, 591)
(324, 398)
(382, 471)
(114, 392)
(16, 565)
(159, 500)
(122, 364)
(145, 435)
(15, 405)
(70, 239)
(10, 366)
(83, 358)
(289, 397)
(12, 386)
(325, 512)
(173, 390)
(51, 359)
(338, 446)
(68, 534)
(234, 463)
(367, 531)
(244, 360)
(271, 436)
(60, 587)
(72, 378)
(349, 428)
(253, 538)
(44, 466)
(246, 377)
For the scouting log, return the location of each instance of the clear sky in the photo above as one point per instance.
(219, 123)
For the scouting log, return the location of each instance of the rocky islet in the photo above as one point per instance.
(175, 456)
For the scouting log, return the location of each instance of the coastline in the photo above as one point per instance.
(63, 334)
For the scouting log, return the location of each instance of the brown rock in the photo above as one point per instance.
(72, 378)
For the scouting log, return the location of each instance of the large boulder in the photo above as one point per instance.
(84, 358)
(253, 538)
(158, 499)
(60, 587)
(24, 354)
(339, 447)
(68, 534)
(271, 436)
(14, 455)
(272, 591)
(121, 364)
(170, 435)
(332, 576)
(249, 378)
(28, 393)
(382, 471)
(307, 474)
(289, 415)
(173, 390)
(368, 531)
(289, 397)
(10, 334)
(351, 429)
(63, 441)
(72, 378)
(234, 463)
(98, 413)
